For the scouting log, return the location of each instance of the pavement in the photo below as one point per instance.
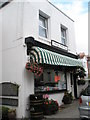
(69, 111)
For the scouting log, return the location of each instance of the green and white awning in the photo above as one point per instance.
(44, 56)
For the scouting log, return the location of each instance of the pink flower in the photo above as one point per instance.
(49, 102)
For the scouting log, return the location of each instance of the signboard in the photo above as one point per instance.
(9, 101)
(9, 89)
(59, 45)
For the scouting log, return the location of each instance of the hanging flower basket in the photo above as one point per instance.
(35, 68)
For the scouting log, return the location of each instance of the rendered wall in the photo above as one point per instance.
(14, 56)
(56, 18)
(20, 20)
(0, 47)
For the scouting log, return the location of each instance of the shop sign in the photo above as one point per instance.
(59, 45)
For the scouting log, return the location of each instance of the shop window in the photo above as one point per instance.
(50, 81)
(43, 26)
(63, 35)
(9, 94)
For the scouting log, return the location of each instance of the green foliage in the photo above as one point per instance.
(67, 98)
(50, 107)
(81, 82)
(4, 112)
(80, 71)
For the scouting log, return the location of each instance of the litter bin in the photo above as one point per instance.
(36, 107)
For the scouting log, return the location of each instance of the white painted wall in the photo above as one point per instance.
(21, 20)
(58, 97)
(88, 28)
(0, 58)
(14, 55)
(56, 18)
(1, 47)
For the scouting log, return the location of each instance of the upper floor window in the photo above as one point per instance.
(43, 26)
(63, 35)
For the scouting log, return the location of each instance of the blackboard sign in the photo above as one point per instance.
(9, 101)
(9, 89)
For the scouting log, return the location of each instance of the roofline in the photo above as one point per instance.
(4, 4)
(60, 11)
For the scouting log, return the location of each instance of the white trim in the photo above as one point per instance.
(11, 97)
(46, 25)
(44, 39)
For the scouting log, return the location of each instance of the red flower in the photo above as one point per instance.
(35, 68)
(46, 103)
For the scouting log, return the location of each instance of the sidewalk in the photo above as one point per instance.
(67, 111)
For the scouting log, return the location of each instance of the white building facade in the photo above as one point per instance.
(27, 25)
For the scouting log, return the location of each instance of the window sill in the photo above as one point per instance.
(11, 97)
(44, 40)
(51, 92)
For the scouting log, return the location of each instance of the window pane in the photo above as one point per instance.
(63, 32)
(42, 22)
(42, 32)
(47, 82)
(87, 91)
(62, 82)
(63, 41)
(63, 36)
(42, 27)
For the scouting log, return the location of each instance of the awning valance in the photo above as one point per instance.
(44, 56)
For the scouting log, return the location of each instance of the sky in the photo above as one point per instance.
(78, 11)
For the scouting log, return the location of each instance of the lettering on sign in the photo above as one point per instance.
(59, 45)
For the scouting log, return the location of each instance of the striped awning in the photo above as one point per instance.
(44, 56)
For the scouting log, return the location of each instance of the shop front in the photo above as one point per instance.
(52, 71)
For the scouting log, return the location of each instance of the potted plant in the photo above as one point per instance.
(67, 98)
(81, 82)
(12, 114)
(50, 107)
(4, 111)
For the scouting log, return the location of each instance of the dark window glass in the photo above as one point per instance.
(48, 81)
(9, 89)
(87, 91)
(9, 102)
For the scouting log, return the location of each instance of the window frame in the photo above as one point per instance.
(46, 24)
(9, 96)
(64, 37)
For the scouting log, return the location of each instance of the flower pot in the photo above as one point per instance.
(48, 110)
(12, 115)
